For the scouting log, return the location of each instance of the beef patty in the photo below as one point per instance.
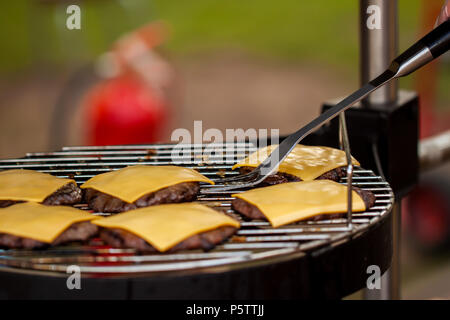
(80, 231)
(207, 240)
(181, 192)
(68, 194)
(282, 177)
(252, 212)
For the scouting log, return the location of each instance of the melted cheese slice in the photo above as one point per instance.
(40, 222)
(131, 183)
(166, 225)
(304, 162)
(28, 185)
(289, 202)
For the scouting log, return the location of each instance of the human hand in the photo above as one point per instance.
(445, 13)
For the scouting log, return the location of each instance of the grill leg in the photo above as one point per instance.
(390, 281)
(395, 267)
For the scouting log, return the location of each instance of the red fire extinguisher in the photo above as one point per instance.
(131, 105)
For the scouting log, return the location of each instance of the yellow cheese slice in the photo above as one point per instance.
(166, 225)
(131, 183)
(39, 222)
(289, 202)
(304, 162)
(28, 185)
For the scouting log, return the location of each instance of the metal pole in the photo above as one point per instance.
(390, 281)
(394, 288)
(378, 47)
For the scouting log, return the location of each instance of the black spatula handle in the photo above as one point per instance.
(423, 51)
(438, 40)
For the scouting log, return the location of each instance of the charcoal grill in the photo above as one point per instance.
(301, 260)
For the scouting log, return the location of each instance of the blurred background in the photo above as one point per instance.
(146, 67)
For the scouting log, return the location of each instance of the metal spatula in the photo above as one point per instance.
(423, 51)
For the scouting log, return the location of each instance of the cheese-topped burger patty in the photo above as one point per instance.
(17, 186)
(167, 228)
(304, 163)
(80, 231)
(295, 201)
(102, 202)
(252, 212)
(142, 186)
(32, 225)
(282, 177)
(205, 240)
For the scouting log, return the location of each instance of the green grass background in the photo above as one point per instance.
(291, 31)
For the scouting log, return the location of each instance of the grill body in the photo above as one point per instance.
(322, 259)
